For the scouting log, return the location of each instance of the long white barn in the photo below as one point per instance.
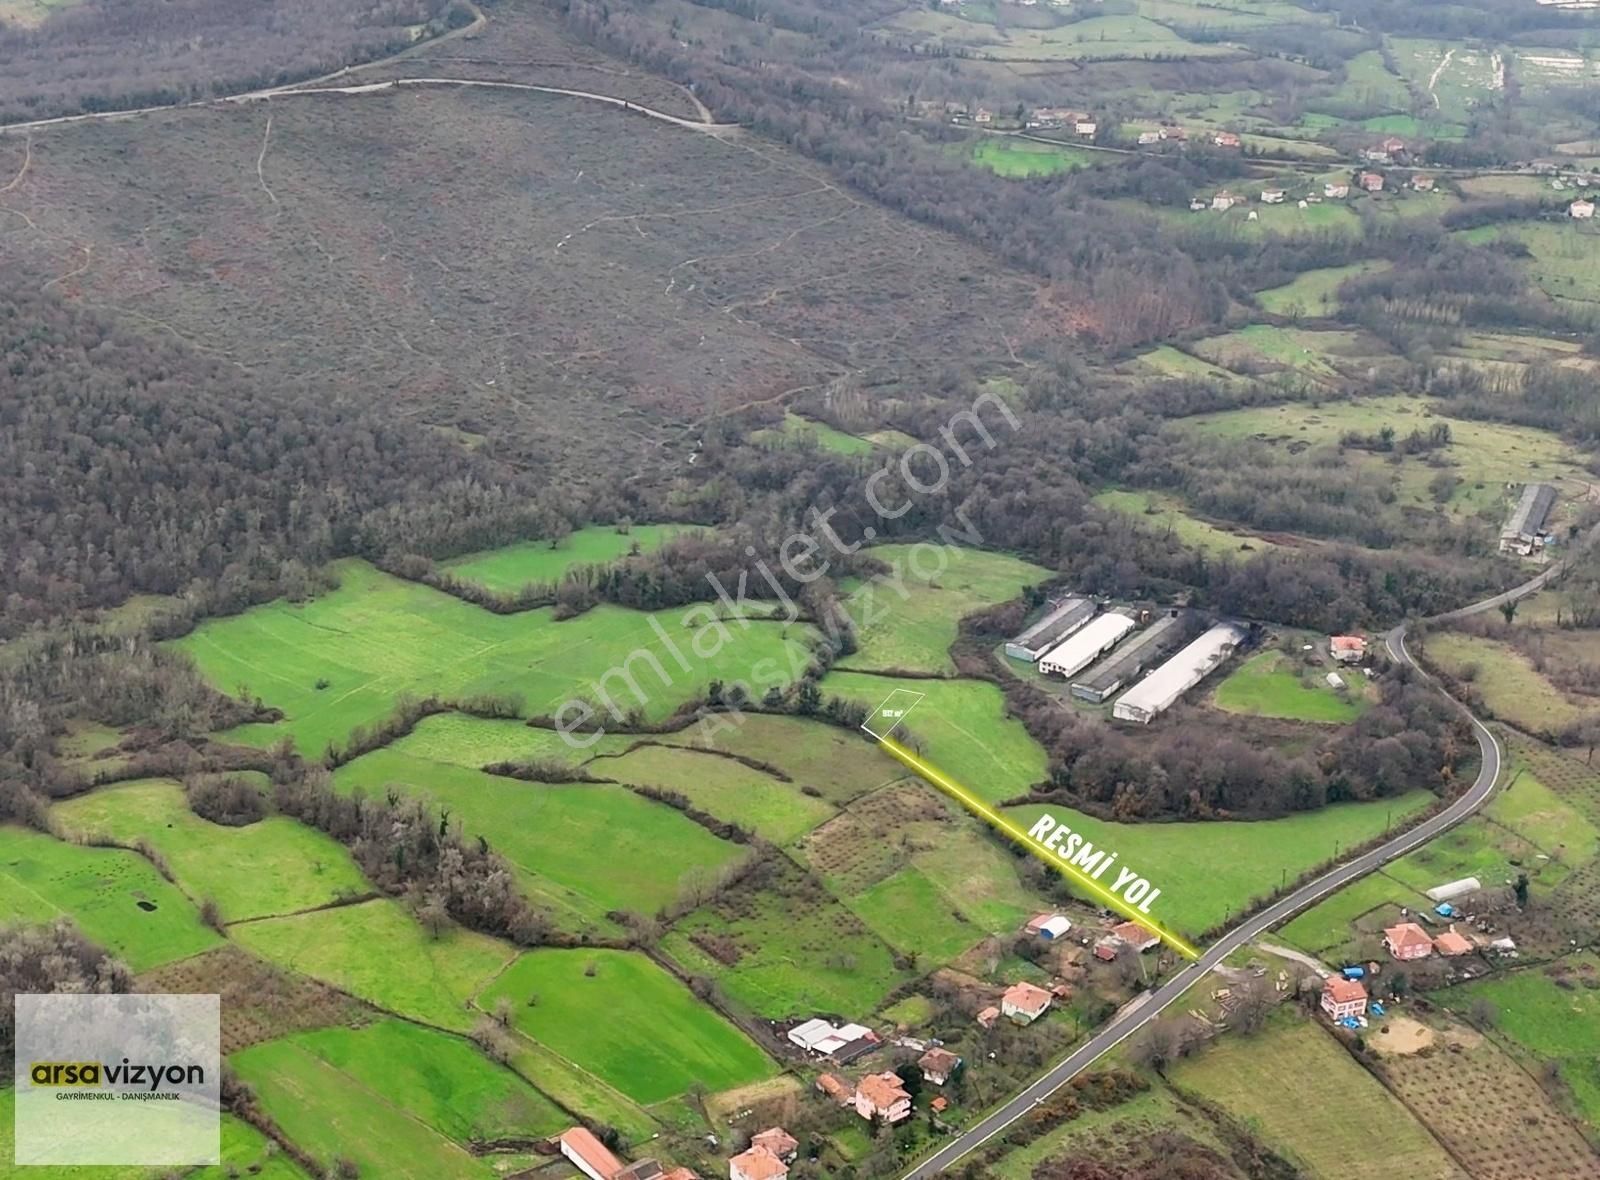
(1157, 692)
(1096, 637)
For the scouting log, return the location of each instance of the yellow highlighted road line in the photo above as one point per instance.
(983, 811)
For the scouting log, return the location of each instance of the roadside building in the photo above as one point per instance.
(837, 1089)
(1225, 200)
(1197, 205)
(938, 1066)
(584, 1151)
(1394, 145)
(1136, 936)
(1146, 138)
(1086, 127)
(1024, 1003)
(1524, 528)
(1272, 196)
(1450, 944)
(1422, 184)
(1343, 998)
(1225, 139)
(1376, 156)
(1092, 641)
(1581, 209)
(882, 1096)
(1335, 192)
(757, 1164)
(1408, 941)
(1371, 181)
(1061, 620)
(1157, 641)
(1347, 649)
(1160, 690)
(1049, 926)
(984, 115)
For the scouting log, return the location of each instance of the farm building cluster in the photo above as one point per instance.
(1085, 646)
(1524, 533)
(583, 1149)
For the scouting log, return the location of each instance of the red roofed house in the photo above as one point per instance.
(1408, 941)
(837, 1088)
(1024, 1003)
(937, 1065)
(1106, 949)
(940, 1104)
(1450, 943)
(988, 1016)
(1225, 139)
(882, 1096)
(681, 1173)
(1370, 181)
(588, 1154)
(757, 1164)
(778, 1141)
(1393, 145)
(1138, 937)
(1347, 649)
(1343, 997)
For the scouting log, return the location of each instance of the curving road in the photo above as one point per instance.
(1137, 1014)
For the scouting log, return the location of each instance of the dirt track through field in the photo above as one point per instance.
(1433, 79)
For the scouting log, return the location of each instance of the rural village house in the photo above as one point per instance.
(1335, 191)
(584, 1151)
(1347, 649)
(1408, 941)
(882, 1096)
(1343, 998)
(1024, 1002)
(938, 1066)
(1132, 934)
(757, 1164)
(837, 1088)
(988, 1016)
(1370, 181)
(1272, 196)
(1423, 184)
(1581, 209)
(1452, 944)
(1225, 139)
(778, 1141)
(1224, 200)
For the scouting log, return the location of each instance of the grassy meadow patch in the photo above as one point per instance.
(376, 951)
(840, 764)
(622, 1018)
(1314, 292)
(556, 835)
(1328, 928)
(1511, 687)
(508, 569)
(1025, 157)
(1269, 685)
(941, 584)
(808, 434)
(116, 897)
(274, 866)
(440, 1080)
(377, 637)
(1160, 513)
(729, 790)
(1259, 1080)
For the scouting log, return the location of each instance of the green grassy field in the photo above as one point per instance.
(1023, 157)
(1268, 685)
(474, 742)
(1261, 1080)
(1485, 456)
(839, 764)
(377, 952)
(1264, 348)
(1314, 292)
(439, 1080)
(557, 835)
(1458, 76)
(795, 951)
(1512, 688)
(803, 432)
(1120, 36)
(509, 569)
(622, 1018)
(377, 637)
(1171, 362)
(273, 866)
(105, 891)
(729, 790)
(1550, 1021)
(1563, 256)
(911, 913)
(1160, 513)
(941, 584)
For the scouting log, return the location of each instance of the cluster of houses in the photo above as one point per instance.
(767, 1158)
(1333, 190)
(883, 1097)
(1060, 118)
(1122, 936)
(582, 1148)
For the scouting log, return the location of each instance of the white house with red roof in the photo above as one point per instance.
(1408, 941)
(1024, 1002)
(1343, 997)
(882, 1096)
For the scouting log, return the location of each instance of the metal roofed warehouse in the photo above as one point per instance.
(1089, 644)
(1157, 641)
(1160, 690)
(1060, 621)
(1521, 534)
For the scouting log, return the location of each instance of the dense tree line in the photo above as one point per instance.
(53, 959)
(111, 54)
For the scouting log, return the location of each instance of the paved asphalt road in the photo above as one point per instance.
(1133, 1018)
